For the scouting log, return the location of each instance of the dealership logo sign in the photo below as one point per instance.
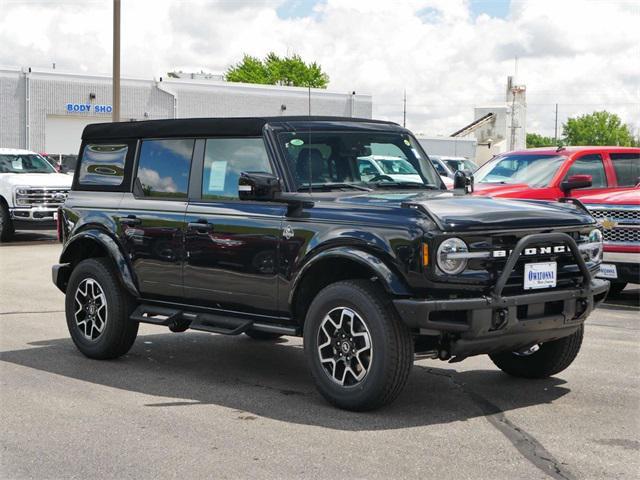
(88, 108)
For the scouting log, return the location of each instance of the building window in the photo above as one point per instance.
(163, 168)
(102, 165)
(225, 159)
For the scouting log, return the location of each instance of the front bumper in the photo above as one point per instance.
(496, 322)
(33, 218)
(627, 266)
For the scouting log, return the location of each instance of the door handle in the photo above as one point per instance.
(200, 226)
(130, 221)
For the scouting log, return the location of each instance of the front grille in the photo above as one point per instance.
(615, 214)
(41, 197)
(622, 235)
(619, 225)
(569, 275)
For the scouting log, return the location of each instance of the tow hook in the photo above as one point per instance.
(500, 319)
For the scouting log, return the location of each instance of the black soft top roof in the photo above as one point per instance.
(231, 126)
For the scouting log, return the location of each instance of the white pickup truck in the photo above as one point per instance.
(30, 192)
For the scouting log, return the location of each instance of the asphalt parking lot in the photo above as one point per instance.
(199, 405)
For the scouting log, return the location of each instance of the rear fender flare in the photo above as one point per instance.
(111, 247)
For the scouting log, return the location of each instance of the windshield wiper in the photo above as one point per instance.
(404, 185)
(330, 186)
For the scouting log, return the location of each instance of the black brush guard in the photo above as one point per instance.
(495, 322)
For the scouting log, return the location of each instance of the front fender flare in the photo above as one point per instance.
(112, 249)
(390, 280)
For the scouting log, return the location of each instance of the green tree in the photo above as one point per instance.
(536, 140)
(597, 128)
(274, 70)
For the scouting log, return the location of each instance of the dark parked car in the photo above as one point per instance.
(264, 226)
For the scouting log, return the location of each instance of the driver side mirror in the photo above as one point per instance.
(258, 186)
(576, 181)
(463, 179)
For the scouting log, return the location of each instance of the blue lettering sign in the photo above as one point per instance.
(87, 107)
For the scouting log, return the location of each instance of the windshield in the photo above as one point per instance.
(357, 160)
(24, 163)
(533, 170)
(460, 164)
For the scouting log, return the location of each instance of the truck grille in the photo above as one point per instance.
(569, 274)
(619, 225)
(41, 197)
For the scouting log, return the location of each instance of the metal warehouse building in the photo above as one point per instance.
(45, 111)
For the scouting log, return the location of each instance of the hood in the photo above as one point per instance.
(516, 190)
(622, 196)
(457, 212)
(54, 180)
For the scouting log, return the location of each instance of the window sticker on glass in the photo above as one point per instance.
(16, 164)
(296, 142)
(217, 176)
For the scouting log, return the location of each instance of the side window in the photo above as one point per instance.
(589, 165)
(225, 159)
(439, 168)
(102, 164)
(163, 168)
(627, 167)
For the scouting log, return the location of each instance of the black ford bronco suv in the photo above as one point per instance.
(283, 226)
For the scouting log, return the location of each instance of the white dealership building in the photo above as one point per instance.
(46, 110)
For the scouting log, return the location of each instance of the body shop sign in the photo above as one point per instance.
(88, 108)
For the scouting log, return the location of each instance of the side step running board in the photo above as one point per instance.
(180, 320)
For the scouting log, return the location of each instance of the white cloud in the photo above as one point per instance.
(151, 178)
(582, 54)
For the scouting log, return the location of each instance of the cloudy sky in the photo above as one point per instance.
(449, 55)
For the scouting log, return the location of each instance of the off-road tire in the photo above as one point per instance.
(616, 288)
(119, 331)
(6, 224)
(260, 335)
(552, 358)
(392, 345)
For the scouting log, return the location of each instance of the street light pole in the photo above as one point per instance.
(116, 61)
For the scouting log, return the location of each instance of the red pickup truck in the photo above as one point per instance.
(552, 173)
(605, 179)
(618, 213)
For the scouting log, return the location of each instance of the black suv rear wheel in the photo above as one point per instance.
(544, 361)
(359, 352)
(97, 310)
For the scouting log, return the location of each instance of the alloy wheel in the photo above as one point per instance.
(344, 347)
(90, 309)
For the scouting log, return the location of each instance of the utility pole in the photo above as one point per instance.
(555, 134)
(116, 61)
(404, 109)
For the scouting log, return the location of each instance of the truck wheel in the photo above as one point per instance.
(97, 309)
(616, 288)
(259, 335)
(359, 352)
(6, 224)
(551, 358)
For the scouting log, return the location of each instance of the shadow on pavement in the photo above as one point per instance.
(629, 297)
(30, 237)
(271, 380)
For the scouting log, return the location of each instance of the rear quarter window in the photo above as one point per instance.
(103, 164)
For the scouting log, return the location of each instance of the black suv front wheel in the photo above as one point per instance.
(359, 352)
(97, 310)
(542, 360)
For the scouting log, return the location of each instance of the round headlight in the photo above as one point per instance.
(447, 261)
(595, 251)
